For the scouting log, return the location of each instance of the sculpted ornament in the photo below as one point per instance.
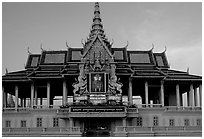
(112, 85)
(81, 86)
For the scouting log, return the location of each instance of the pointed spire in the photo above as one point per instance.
(97, 27)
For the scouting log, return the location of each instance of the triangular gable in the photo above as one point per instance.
(101, 41)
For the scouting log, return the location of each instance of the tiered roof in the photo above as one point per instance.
(138, 64)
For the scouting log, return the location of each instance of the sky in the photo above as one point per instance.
(176, 26)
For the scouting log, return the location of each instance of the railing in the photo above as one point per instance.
(157, 128)
(134, 108)
(21, 109)
(41, 130)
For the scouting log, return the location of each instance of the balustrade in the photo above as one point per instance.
(41, 129)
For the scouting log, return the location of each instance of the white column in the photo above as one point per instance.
(196, 97)
(48, 94)
(16, 97)
(32, 95)
(3, 97)
(130, 92)
(146, 94)
(64, 100)
(124, 122)
(71, 122)
(162, 93)
(200, 94)
(192, 103)
(36, 97)
(177, 96)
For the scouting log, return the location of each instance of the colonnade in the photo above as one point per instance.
(194, 100)
(34, 96)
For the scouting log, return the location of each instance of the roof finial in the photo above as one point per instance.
(112, 42)
(82, 42)
(165, 49)
(127, 44)
(41, 47)
(152, 47)
(188, 70)
(67, 45)
(28, 50)
(6, 71)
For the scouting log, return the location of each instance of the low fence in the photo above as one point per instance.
(38, 131)
(157, 128)
(158, 131)
(134, 108)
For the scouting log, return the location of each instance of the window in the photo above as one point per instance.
(159, 61)
(8, 123)
(139, 58)
(171, 122)
(76, 55)
(118, 55)
(186, 122)
(155, 121)
(23, 123)
(55, 122)
(54, 58)
(198, 122)
(139, 121)
(34, 61)
(39, 122)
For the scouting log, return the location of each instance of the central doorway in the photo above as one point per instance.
(97, 127)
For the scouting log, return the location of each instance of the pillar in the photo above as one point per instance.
(162, 93)
(36, 97)
(24, 103)
(41, 101)
(146, 93)
(181, 99)
(48, 94)
(32, 95)
(4, 97)
(16, 97)
(64, 100)
(200, 94)
(188, 98)
(71, 122)
(196, 97)
(124, 122)
(191, 95)
(178, 102)
(130, 92)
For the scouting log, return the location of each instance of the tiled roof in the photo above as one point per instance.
(139, 64)
(161, 60)
(141, 58)
(53, 57)
(119, 54)
(33, 60)
(74, 55)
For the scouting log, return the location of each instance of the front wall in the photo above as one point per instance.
(147, 118)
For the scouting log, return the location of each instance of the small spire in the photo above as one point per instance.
(28, 50)
(41, 47)
(96, 27)
(67, 45)
(6, 71)
(188, 70)
(127, 44)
